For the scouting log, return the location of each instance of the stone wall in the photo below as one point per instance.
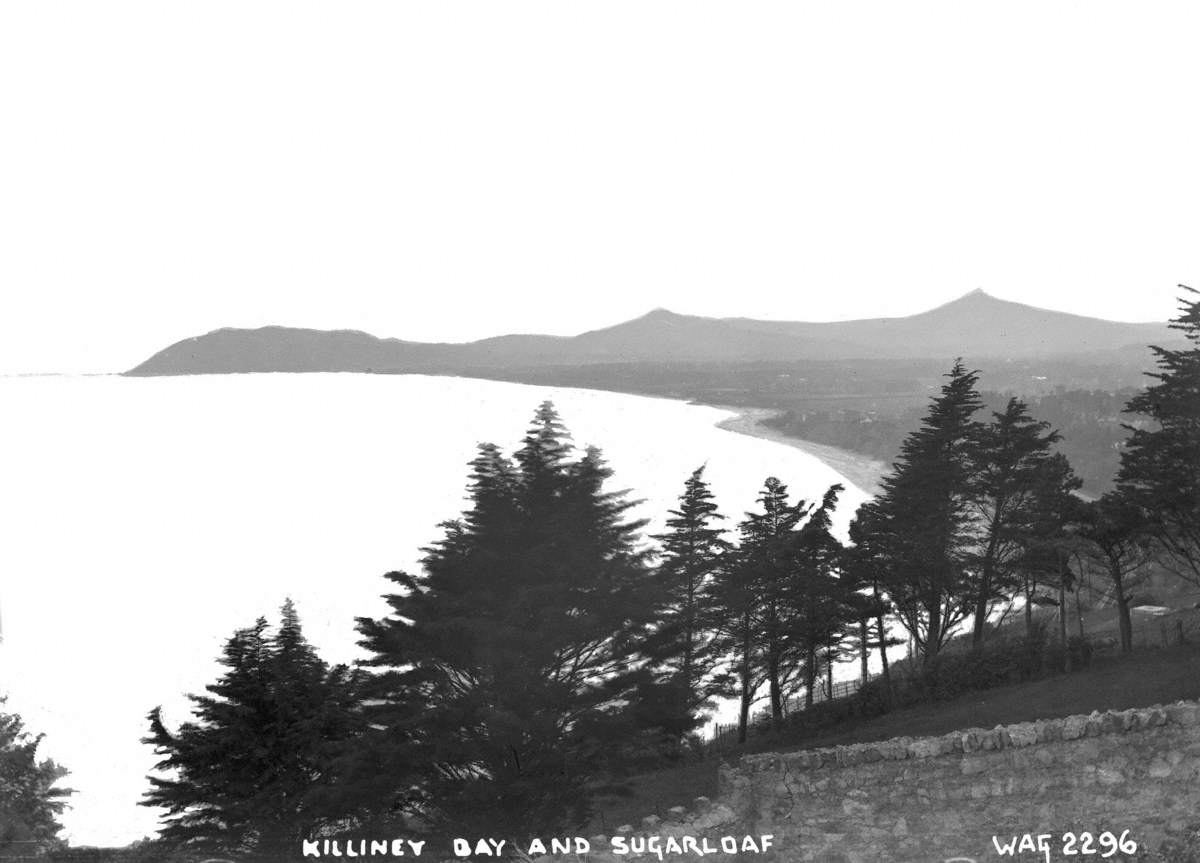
(936, 798)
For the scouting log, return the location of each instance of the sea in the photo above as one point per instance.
(143, 520)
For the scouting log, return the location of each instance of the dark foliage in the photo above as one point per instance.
(1011, 460)
(683, 651)
(252, 773)
(30, 798)
(920, 526)
(514, 642)
(1160, 466)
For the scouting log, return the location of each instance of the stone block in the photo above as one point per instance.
(1159, 769)
(1183, 713)
(1022, 734)
(926, 747)
(702, 805)
(718, 816)
(854, 807)
(676, 814)
(651, 823)
(972, 766)
(1074, 727)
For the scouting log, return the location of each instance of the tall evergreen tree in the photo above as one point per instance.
(1046, 533)
(736, 598)
(1160, 464)
(516, 637)
(867, 570)
(31, 799)
(683, 649)
(1121, 544)
(822, 603)
(766, 554)
(1010, 463)
(251, 773)
(921, 524)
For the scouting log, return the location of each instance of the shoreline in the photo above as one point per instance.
(860, 470)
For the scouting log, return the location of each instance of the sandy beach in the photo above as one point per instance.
(864, 472)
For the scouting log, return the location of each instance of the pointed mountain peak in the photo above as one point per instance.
(971, 299)
(975, 296)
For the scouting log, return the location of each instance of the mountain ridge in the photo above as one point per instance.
(976, 324)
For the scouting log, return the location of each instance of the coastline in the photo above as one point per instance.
(862, 471)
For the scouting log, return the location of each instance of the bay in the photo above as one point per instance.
(142, 520)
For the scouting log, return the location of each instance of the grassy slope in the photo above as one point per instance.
(1143, 678)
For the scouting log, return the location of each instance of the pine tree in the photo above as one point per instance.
(867, 570)
(1160, 464)
(515, 639)
(1010, 464)
(1120, 542)
(1045, 532)
(921, 524)
(683, 649)
(736, 602)
(30, 798)
(252, 773)
(822, 603)
(766, 555)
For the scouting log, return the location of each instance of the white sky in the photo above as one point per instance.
(448, 170)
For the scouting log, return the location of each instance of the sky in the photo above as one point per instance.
(445, 171)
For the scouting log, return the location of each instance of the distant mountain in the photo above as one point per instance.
(977, 325)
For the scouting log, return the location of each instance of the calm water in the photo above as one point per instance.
(143, 520)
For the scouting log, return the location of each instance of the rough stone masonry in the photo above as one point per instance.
(933, 799)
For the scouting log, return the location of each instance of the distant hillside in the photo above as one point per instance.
(976, 325)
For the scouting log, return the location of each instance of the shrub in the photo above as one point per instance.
(872, 699)
(1080, 650)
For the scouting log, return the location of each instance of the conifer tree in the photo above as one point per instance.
(683, 649)
(921, 524)
(767, 557)
(1046, 534)
(515, 640)
(867, 572)
(822, 603)
(1160, 464)
(30, 798)
(1010, 466)
(1119, 541)
(736, 598)
(252, 773)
